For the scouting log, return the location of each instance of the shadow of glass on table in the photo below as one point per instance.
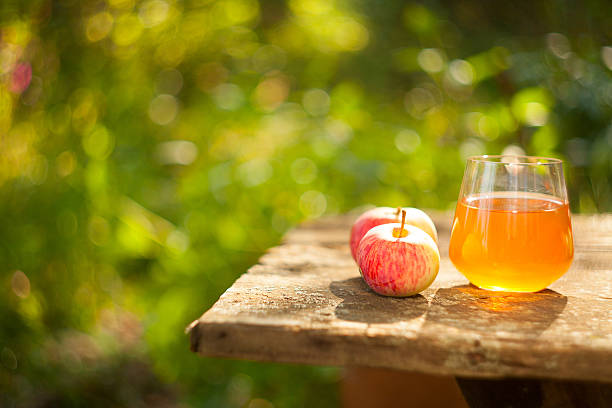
(470, 308)
(361, 304)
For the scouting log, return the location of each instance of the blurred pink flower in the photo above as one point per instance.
(22, 75)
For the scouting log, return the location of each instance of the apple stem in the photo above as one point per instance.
(400, 232)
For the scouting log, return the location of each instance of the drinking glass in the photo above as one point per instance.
(512, 228)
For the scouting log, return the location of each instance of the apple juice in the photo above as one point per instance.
(513, 241)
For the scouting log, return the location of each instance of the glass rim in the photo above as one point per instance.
(497, 159)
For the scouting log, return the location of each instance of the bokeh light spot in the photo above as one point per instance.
(316, 102)
(536, 114)
(210, 75)
(471, 147)
(99, 26)
(471, 120)
(8, 58)
(575, 65)
(177, 241)
(65, 163)
(271, 93)
(171, 52)
(163, 109)
(58, 118)
(239, 389)
(513, 150)
(313, 203)
(304, 170)
(37, 169)
(85, 110)
(21, 77)
(228, 96)
(558, 44)
(431, 60)
(169, 81)
(461, 71)
(350, 35)
(338, 131)
(606, 57)
(128, 29)
(153, 12)
(456, 90)
(254, 172)
(532, 106)
(181, 152)
(18, 154)
(418, 101)
(407, 141)
(98, 143)
(20, 284)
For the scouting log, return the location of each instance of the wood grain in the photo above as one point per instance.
(305, 302)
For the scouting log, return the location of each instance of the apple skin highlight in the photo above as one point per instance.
(385, 215)
(398, 266)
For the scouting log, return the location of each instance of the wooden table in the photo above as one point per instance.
(304, 302)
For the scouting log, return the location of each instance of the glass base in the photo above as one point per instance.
(501, 289)
(527, 280)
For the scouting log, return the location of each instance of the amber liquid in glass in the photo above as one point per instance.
(512, 241)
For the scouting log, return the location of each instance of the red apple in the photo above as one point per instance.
(398, 259)
(386, 215)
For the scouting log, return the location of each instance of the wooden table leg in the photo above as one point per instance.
(377, 387)
(535, 393)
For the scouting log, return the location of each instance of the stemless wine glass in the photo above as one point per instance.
(512, 228)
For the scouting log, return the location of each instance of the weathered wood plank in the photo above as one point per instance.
(305, 302)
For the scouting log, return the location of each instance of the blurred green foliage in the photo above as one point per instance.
(150, 151)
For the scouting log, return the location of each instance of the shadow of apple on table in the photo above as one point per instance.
(470, 308)
(361, 304)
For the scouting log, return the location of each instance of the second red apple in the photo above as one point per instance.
(385, 215)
